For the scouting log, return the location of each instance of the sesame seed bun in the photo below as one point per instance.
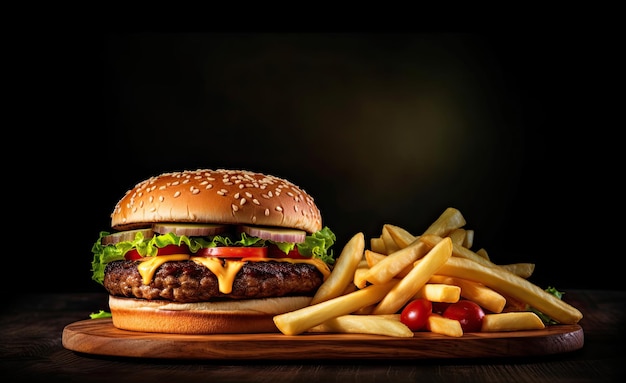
(217, 196)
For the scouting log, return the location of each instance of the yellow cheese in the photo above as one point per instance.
(225, 272)
(224, 269)
(149, 265)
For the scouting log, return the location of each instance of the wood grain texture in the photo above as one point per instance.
(100, 337)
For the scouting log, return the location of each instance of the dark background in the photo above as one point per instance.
(513, 129)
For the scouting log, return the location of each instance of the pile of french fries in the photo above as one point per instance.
(368, 288)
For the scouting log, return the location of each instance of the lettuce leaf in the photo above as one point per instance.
(316, 245)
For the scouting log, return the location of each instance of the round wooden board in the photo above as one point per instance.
(100, 337)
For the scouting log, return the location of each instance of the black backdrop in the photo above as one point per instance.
(511, 129)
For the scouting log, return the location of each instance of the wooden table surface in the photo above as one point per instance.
(31, 349)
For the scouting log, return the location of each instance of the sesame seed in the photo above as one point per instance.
(242, 202)
(236, 196)
(267, 212)
(161, 199)
(279, 208)
(256, 201)
(176, 194)
(235, 207)
(249, 195)
(151, 199)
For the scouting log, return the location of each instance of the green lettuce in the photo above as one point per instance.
(318, 245)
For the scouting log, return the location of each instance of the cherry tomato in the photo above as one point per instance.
(415, 314)
(232, 252)
(132, 255)
(274, 252)
(468, 313)
(440, 307)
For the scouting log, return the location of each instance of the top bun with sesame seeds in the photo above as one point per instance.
(211, 251)
(217, 196)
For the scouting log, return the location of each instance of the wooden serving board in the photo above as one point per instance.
(100, 337)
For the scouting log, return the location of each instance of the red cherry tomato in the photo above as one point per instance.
(468, 313)
(132, 255)
(232, 252)
(440, 307)
(415, 314)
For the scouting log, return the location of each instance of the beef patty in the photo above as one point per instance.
(187, 281)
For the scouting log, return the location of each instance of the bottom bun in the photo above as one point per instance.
(224, 317)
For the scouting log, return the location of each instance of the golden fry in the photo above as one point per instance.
(439, 292)
(458, 251)
(524, 270)
(393, 264)
(390, 245)
(512, 321)
(400, 236)
(440, 325)
(415, 279)
(483, 253)
(469, 239)
(343, 272)
(457, 236)
(484, 296)
(378, 245)
(298, 321)
(517, 287)
(449, 220)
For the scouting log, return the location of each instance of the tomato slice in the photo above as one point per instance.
(274, 252)
(132, 255)
(232, 252)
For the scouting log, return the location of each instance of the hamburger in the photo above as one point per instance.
(211, 251)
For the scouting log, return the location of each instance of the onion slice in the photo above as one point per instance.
(275, 234)
(128, 235)
(190, 229)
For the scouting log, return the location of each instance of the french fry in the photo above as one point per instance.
(343, 272)
(298, 321)
(458, 251)
(378, 245)
(484, 296)
(394, 263)
(517, 287)
(524, 270)
(415, 279)
(483, 253)
(359, 277)
(365, 324)
(457, 236)
(439, 292)
(469, 239)
(373, 258)
(390, 245)
(440, 325)
(512, 321)
(400, 236)
(449, 220)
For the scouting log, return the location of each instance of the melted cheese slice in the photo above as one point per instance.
(148, 266)
(224, 269)
(225, 272)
